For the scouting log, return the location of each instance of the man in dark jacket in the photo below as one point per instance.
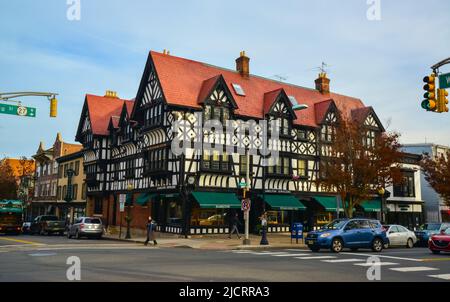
(150, 232)
(234, 226)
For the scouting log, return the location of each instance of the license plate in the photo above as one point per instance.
(310, 242)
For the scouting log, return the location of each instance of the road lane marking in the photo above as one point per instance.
(442, 276)
(383, 256)
(375, 264)
(316, 257)
(270, 253)
(435, 259)
(243, 252)
(343, 260)
(20, 241)
(42, 254)
(291, 255)
(298, 250)
(413, 269)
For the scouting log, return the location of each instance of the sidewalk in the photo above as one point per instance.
(215, 242)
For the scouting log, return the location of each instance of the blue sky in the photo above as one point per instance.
(381, 62)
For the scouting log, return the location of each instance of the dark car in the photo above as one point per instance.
(47, 224)
(348, 233)
(429, 229)
(440, 242)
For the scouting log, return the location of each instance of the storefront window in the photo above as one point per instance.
(174, 212)
(277, 217)
(208, 217)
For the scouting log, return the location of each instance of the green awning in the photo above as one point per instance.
(328, 202)
(11, 206)
(373, 205)
(284, 202)
(144, 198)
(128, 199)
(216, 200)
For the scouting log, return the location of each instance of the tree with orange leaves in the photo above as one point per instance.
(437, 173)
(355, 167)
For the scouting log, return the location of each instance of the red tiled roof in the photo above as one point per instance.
(182, 80)
(360, 114)
(100, 110)
(321, 109)
(206, 88)
(269, 99)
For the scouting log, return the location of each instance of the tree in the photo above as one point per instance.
(437, 173)
(356, 167)
(8, 182)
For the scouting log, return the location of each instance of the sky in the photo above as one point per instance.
(380, 61)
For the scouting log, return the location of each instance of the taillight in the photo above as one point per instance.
(82, 226)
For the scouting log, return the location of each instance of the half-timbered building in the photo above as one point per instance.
(129, 147)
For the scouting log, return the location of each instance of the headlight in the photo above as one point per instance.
(325, 235)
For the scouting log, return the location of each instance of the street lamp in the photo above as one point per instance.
(381, 192)
(130, 189)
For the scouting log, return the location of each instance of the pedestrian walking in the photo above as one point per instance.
(151, 235)
(234, 226)
(263, 219)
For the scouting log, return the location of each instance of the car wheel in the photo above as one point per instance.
(377, 245)
(337, 245)
(436, 252)
(410, 243)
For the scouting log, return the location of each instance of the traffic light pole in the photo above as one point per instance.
(10, 96)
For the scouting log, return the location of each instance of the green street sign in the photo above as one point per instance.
(17, 110)
(444, 80)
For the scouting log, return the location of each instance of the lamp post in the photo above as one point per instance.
(381, 192)
(188, 185)
(130, 189)
(69, 196)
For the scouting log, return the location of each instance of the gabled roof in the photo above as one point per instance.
(100, 109)
(360, 115)
(182, 80)
(206, 88)
(321, 110)
(273, 96)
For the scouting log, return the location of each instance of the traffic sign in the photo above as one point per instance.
(444, 80)
(245, 206)
(17, 110)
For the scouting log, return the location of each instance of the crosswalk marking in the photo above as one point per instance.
(376, 264)
(413, 269)
(442, 276)
(298, 250)
(270, 253)
(316, 257)
(343, 260)
(291, 255)
(383, 256)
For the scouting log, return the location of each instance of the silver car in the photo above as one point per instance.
(400, 236)
(86, 227)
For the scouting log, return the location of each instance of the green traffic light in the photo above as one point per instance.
(425, 104)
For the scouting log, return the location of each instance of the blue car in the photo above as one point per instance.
(348, 233)
(429, 229)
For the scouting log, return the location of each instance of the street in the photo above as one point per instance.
(43, 258)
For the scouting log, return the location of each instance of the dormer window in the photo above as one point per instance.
(219, 113)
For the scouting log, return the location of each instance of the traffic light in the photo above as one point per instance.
(442, 100)
(53, 107)
(430, 95)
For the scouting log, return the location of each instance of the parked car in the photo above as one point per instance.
(429, 229)
(440, 242)
(348, 233)
(47, 224)
(86, 227)
(400, 236)
(26, 227)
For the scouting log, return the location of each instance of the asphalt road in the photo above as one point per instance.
(42, 258)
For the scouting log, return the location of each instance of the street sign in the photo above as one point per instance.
(122, 200)
(444, 80)
(245, 206)
(17, 110)
(242, 184)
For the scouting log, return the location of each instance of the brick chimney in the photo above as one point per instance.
(243, 65)
(323, 83)
(111, 94)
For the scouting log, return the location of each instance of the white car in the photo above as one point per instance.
(400, 236)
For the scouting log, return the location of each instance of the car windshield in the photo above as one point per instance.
(92, 220)
(335, 225)
(49, 218)
(430, 227)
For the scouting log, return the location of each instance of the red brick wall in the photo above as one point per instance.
(138, 214)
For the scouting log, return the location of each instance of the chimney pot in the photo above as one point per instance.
(243, 65)
(323, 83)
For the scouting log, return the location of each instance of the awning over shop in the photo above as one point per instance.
(144, 198)
(373, 205)
(216, 200)
(328, 202)
(283, 202)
